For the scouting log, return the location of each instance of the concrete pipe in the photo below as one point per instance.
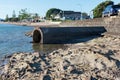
(52, 35)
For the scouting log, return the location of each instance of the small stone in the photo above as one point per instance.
(63, 79)
(47, 77)
(21, 65)
(13, 71)
(36, 54)
(6, 68)
(8, 56)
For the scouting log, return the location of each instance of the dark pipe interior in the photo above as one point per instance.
(36, 36)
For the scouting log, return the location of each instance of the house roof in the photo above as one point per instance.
(71, 12)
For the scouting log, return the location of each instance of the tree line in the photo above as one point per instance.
(97, 11)
(51, 13)
(23, 15)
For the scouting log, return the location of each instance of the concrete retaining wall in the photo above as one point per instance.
(76, 29)
(112, 24)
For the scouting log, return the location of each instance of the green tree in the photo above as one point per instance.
(23, 14)
(97, 11)
(84, 14)
(36, 15)
(51, 13)
(13, 16)
(7, 18)
(118, 3)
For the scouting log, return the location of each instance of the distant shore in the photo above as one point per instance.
(37, 24)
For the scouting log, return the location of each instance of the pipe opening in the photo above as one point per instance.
(36, 36)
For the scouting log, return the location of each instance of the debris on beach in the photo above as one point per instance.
(29, 34)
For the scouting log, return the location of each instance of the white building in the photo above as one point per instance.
(68, 15)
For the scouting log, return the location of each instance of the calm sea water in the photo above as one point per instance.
(13, 39)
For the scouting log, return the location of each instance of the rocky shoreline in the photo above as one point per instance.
(97, 59)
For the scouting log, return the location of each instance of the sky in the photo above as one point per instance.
(41, 6)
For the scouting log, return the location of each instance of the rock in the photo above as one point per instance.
(63, 79)
(6, 67)
(85, 77)
(47, 77)
(21, 65)
(36, 54)
(13, 71)
(8, 56)
(97, 59)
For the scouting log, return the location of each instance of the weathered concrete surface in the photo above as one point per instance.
(111, 24)
(49, 35)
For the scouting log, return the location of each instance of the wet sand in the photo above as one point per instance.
(96, 59)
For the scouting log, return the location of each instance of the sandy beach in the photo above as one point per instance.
(59, 40)
(97, 59)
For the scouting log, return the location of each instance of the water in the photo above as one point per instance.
(13, 39)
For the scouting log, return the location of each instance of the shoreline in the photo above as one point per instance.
(38, 24)
(96, 59)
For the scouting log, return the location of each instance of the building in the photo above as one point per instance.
(68, 15)
(71, 15)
